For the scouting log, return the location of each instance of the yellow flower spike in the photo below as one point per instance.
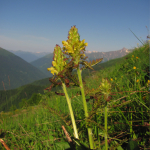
(134, 67)
(73, 45)
(58, 62)
(105, 87)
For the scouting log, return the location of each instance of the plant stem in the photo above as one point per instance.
(131, 125)
(85, 107)
(71, 112)
(105, 116)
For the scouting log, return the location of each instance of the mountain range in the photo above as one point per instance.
(29, 56)
(46, 62)
(16, 71)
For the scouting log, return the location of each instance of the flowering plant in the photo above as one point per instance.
(62, 68)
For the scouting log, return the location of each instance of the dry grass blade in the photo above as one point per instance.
(4, 144)
(66, 133)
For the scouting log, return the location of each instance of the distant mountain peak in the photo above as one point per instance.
(124, 48)
(91, 51)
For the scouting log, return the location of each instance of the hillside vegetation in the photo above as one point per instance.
(40, 122)
(44, 63)
(16, 72)
(28, 56)
(11, 98)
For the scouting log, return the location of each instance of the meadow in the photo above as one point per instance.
(45, 126)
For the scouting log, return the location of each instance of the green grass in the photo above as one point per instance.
(40, 127)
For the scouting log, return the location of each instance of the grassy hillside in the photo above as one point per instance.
(15, 71)
(44, 63)
(28, 56)
(39, 125)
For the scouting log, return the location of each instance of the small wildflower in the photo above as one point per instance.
(105, 87)
(137, 80)
(16, 110)
(148, 83)
(144, 97)
(137, 57)
(92, 89)
(132, 56)
(111, 79)
(134, 67)
(121, 76)
(2, 112)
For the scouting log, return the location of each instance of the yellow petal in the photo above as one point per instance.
(52, 69)
(86, 44)
(69, 49)
(49, 69)
(83, 40)
(64, 43)
(54, 63)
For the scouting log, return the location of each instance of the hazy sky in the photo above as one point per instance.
(38, 25)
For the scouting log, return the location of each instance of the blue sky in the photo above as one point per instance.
(38, 25)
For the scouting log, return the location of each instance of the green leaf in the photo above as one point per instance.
(134, 136)
(63, 145)
(132, 145)
(91, 63)
(119, 148)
